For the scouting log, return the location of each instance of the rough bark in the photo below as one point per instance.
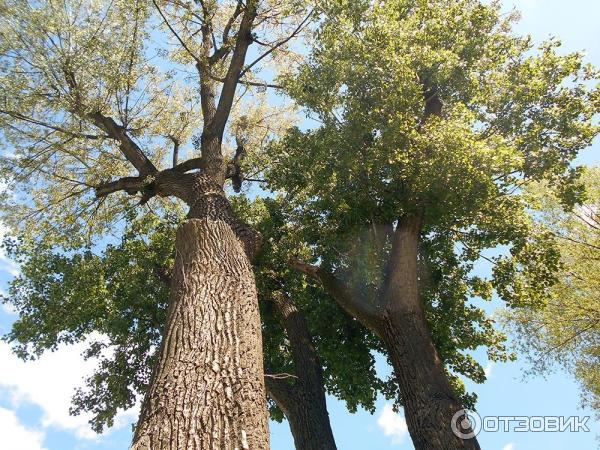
(428, 398)
(399, 320)
(207, 391)
(302, 400)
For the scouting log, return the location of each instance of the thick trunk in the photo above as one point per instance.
(303, 401)
(428, 399)
(207, 390)
(427, 396)
(398, 318)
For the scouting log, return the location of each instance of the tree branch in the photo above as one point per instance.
(132, 152)
(175, 149)
(190, 164)
(131, 185)
(355, 306)
(19, 116)
(194, 57)
(281, 392)
(259, 84)
(216, 126)
(277, 44)
(225, 48)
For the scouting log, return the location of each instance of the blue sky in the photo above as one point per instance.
(35, 396)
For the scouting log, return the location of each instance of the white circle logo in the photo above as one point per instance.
(466, 424)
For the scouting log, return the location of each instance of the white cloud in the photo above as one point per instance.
(509, 446)
(393, 424)
(49, 383)
(488, 370)
(15, 436)
(8, 309)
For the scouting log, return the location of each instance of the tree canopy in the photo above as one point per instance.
(120, 294)
(91, 90)
(439, 109)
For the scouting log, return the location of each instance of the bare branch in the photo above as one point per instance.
(278, 44)
(259, 84)
(129, 148)
(175, 33)
(175, 149)
(19, 116)
(280, 376)
(131, 185)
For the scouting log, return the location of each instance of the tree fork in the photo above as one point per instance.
(399, 320)
(429, 401)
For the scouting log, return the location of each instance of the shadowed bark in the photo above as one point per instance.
(303, 399)
(399, 319)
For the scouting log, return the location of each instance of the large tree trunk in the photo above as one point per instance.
(430, 403)
(303, 400)
(428, 399)
(427, 396)
(207, 390)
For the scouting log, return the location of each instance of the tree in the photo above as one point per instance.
(92, 91)
(307, 337)
(565, 329)
(432, 117)
(121, 294)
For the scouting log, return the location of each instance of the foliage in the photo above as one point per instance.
(434, 108)
(68, 69)
(565, 329)
(65, 297)
(118, 294)
(343, 345)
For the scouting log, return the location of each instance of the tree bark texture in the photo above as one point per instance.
(428, 398)
(303, 400)
(207, 391)
(398, 318)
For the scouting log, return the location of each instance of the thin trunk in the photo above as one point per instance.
(207, 391)
(302, 401)
(309, 424)
(427, 396)
(307, 415)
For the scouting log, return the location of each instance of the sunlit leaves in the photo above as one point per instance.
(509, 115)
